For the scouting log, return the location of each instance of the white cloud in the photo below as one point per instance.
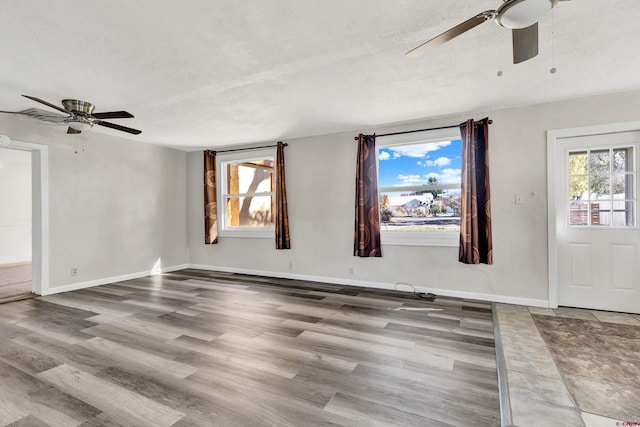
(439, 162)
(410, 179)
(448, 176)
(384, 155)
(419, 150)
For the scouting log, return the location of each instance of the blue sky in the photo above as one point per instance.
(414, 164)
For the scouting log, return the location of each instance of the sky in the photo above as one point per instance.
(414, 164)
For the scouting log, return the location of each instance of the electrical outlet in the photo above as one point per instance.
(350, 271)
(290, 266)
(518, 199)
(74, 271)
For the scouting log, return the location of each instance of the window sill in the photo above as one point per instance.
(412, 238)
(249, 233)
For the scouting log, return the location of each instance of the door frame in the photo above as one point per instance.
(553, 139)
(40, 211)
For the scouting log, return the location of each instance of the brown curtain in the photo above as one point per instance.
(475, 221)
(210, 203)
(367, 224)
(283, 240)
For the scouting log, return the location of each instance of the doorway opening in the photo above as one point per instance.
(15, 225)
(24, 226)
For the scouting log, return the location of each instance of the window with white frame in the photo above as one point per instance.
(246, 203)
(419, 188)
(601, 187)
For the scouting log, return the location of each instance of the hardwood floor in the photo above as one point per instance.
(196, 348)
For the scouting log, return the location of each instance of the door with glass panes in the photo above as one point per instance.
(596, 218)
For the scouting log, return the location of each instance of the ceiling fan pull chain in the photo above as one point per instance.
(553, 43)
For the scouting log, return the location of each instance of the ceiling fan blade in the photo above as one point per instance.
(113, 115)
(55, 107)
(451, 33)
(72, 131)
(118, 127)
(525, 43)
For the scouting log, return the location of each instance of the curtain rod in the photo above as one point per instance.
(419, 130)
(248, 148)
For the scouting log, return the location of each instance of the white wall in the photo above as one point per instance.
(117, 207)
(320, 189)
(15, 202)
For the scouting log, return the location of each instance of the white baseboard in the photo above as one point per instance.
(323, 279)
(380, 285)
(15, 264)
(107, 280)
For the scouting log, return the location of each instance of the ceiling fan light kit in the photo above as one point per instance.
(78, 125)
(520, 16)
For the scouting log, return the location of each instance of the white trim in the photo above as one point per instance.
(416, 238)
(40, 211)
(221, 161)
(322, 279)
(107, 280)
(431, 135)
(380, 285)
(249, 232)
(552, 140)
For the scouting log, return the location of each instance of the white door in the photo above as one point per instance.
(598, 238)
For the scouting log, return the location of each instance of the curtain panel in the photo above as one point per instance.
(283, 241)
(475, 223)
(210, 202)
(367, 218)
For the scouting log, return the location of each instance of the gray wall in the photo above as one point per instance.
(119, 206)
(320, 188)
(116, 207)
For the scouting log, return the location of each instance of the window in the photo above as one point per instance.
(419, 188)
(601, 187)
(247, 194)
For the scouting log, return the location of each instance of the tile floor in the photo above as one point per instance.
(581, 366)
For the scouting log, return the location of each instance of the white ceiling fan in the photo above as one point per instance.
(521, 16)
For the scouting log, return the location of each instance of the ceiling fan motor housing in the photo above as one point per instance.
(78, 106)
(518, 14)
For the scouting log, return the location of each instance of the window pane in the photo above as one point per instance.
(623, 214)
(578, 163)
(250, 211)
(623, 159)
(578, 186)
(420, 211)
(578, 213)
(599, 187)
(601, 214)
(599, 161)
(623, 186)
(255, 176)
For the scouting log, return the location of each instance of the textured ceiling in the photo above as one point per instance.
(204, 73)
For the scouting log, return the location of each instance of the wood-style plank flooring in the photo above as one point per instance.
(196, 348)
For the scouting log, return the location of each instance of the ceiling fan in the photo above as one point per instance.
(521, 16)
(78, 116)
